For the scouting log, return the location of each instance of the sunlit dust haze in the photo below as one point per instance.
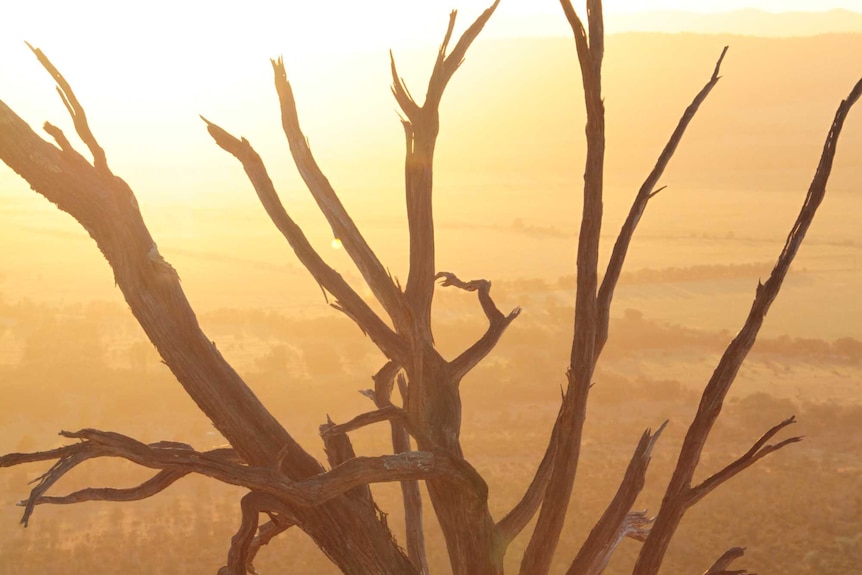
(508, 173)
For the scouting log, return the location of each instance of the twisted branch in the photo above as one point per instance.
(242, 550)
(222, 465)
(498, 323)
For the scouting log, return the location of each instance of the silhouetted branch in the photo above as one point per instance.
(678, 496)
(241, 555)
(497, 324)
(720, 567)
(106, 207)
(421, 127)
(384, 381)
(328, 278)
(339, 449)
(76, 111)
(158, 483)
(387, 413)
(343, 227)
(645, 193)
(222, 465)
(511, 525)
(758, 451)
(617, 521)
(570, 420)
(266, 532)
(446, 66)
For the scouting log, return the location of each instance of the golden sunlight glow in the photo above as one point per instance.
(336, 244)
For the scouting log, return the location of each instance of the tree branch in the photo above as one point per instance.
(241, 555)
(310, 492)
(266, 532)
(350, 302)
(343, 227)
(106, 207)
(498, 323)
(678, 496)
(339, 449)
(446, 66)
(410, 495)
(388, 413)
(645, 193)
(158, 483)
(721, 565)
(76, 111)
(421, 127)
(514, 522)
(610, 530)
(758, 451)
(546, 535)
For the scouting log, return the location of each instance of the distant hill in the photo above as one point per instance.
(516, 112)
(748, 22)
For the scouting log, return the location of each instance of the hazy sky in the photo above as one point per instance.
(140, 64)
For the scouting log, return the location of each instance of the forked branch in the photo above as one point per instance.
(757, 452)
(421, 126)
(76, 111)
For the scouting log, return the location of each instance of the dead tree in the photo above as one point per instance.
(334, 506)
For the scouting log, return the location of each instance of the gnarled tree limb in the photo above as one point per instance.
(223, 466)
(497, 324)
(241, 553)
